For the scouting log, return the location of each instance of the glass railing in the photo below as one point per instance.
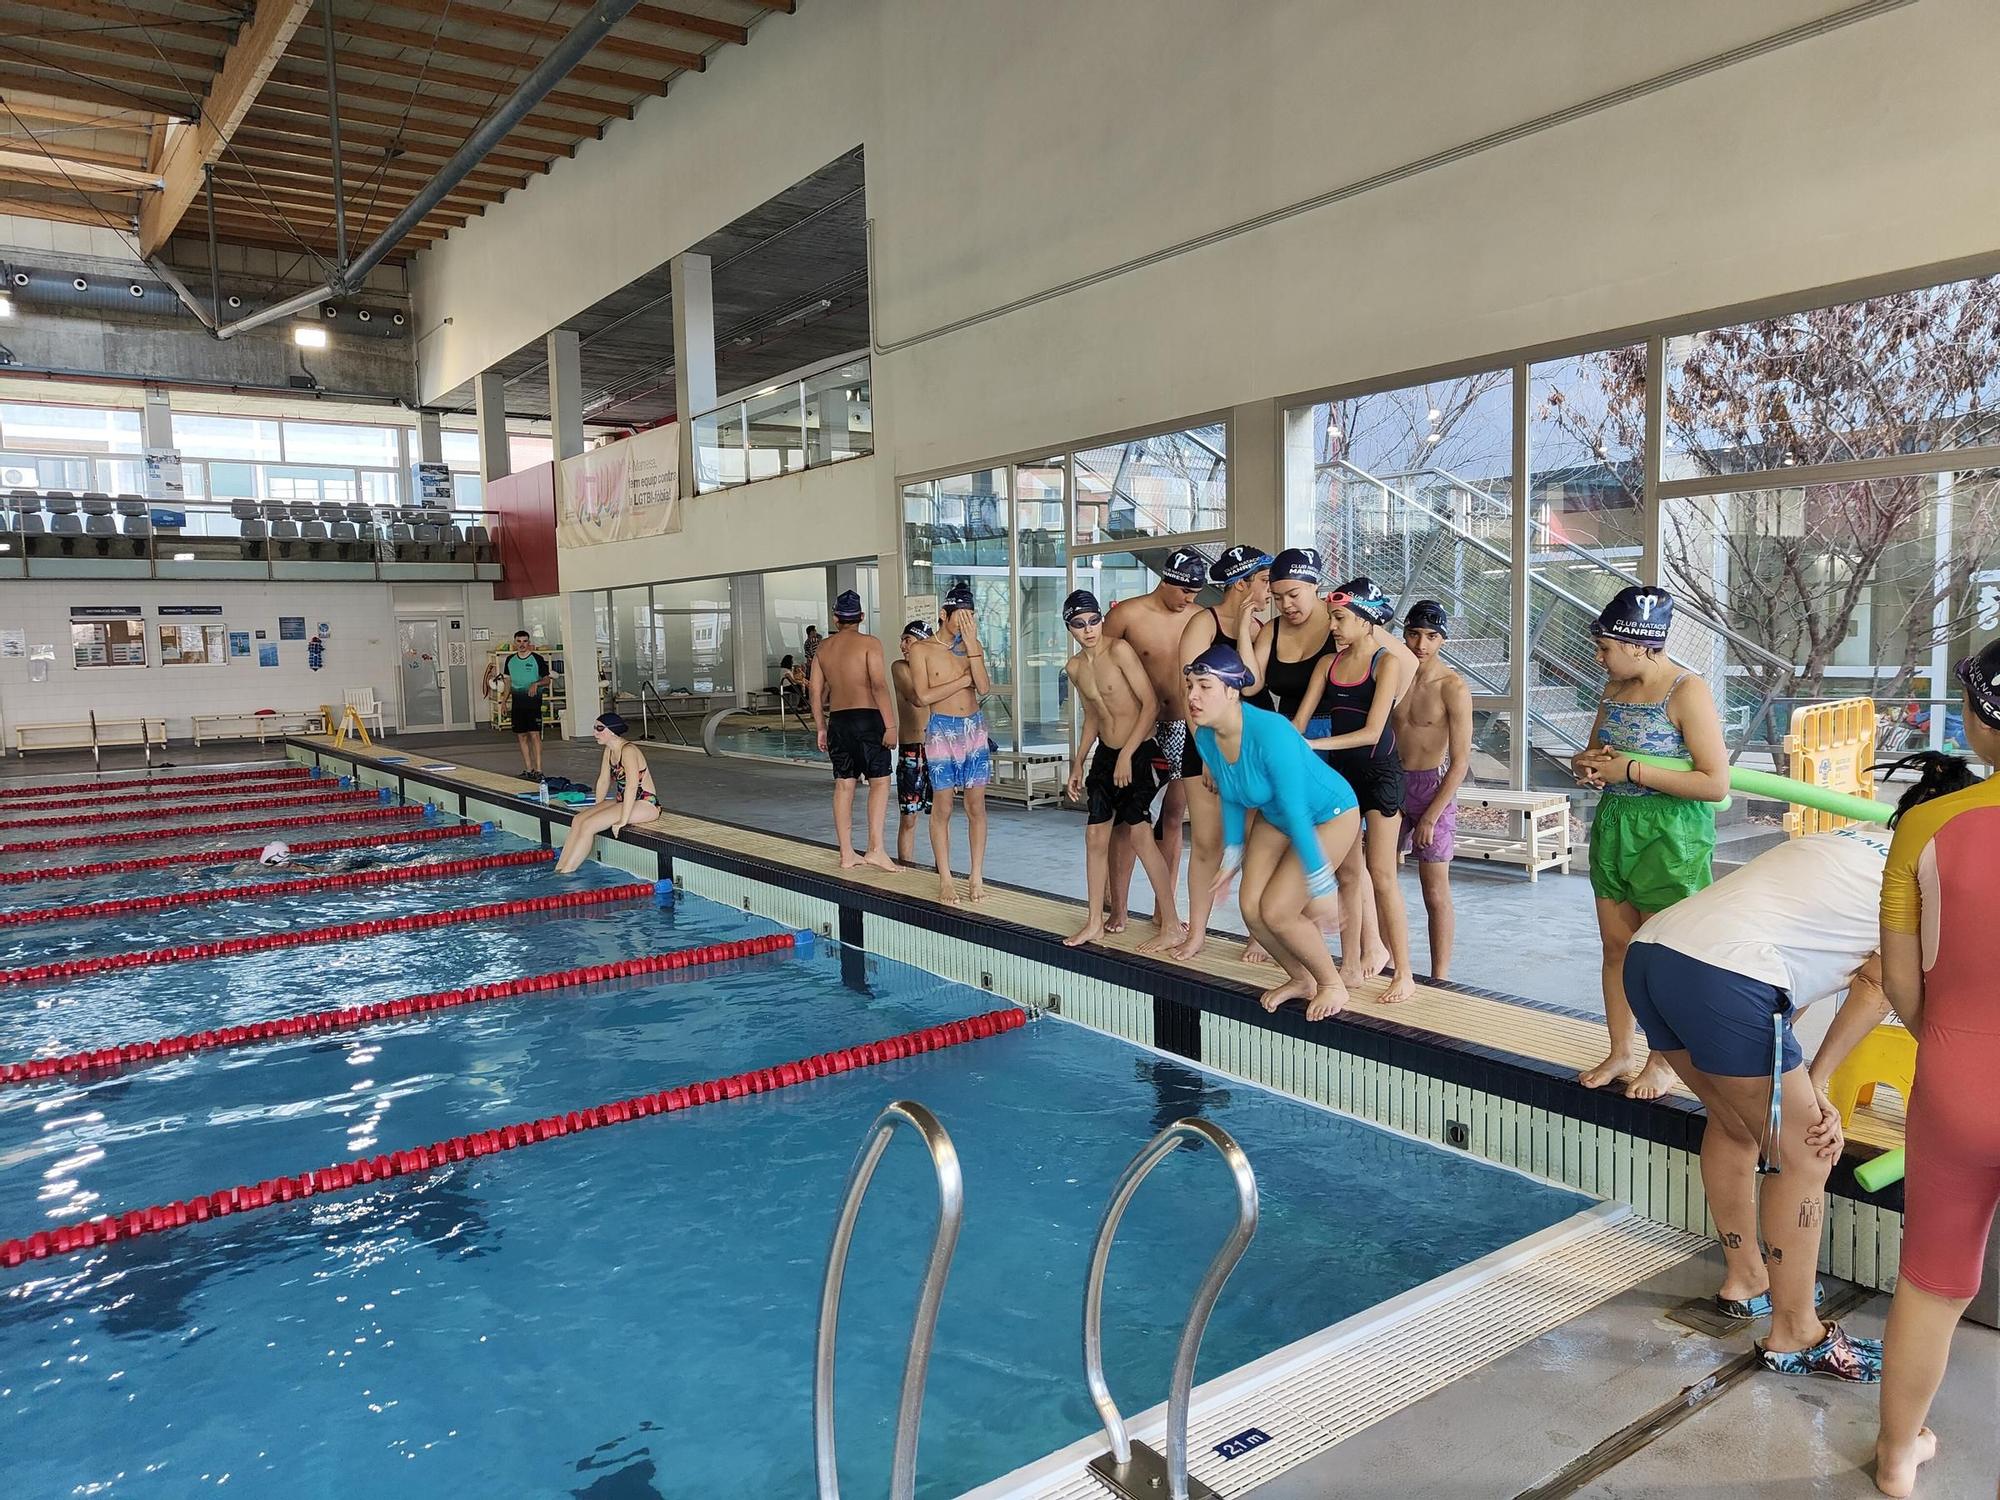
(58, 533)
(823, 416)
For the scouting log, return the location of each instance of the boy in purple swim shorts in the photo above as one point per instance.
(1434, 737)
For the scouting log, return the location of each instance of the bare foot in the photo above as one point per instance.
(1253, 953)
(880, 860)
(1617, 1065)
(1654, 1079)
(1328, 1000)
(1374, 961)
(849, 860)
(1402, 987)
(1350, 974)
(1291, 989)
(1164, 936)
(1896, 1473)
(1091, 932)
(975, 889)
(1189, 947)
(1117, 922)
(948, 891)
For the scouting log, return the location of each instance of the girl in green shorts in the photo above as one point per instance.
(1654, 835)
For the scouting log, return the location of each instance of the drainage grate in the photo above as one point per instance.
(1319, 1396)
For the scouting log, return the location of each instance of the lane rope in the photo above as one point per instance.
(378, 839)
(198, 809)
(84, 911)
(265, 942)
(277, 784)
(154, 835)
(104, 1060)
(84, 1234)
(214, 778)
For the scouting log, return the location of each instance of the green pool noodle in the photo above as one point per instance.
(1879, 1172)
(1667, 763)
(1784, 789)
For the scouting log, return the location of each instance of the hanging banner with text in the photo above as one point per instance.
(620, 491)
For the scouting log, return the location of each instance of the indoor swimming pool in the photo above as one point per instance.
(627, 1312)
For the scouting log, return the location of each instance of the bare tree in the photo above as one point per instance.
(1802, 568)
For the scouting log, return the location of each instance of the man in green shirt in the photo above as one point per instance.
(526, 673)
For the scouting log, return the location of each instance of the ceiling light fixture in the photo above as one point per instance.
(136, 290)
(80, 284)
(20, 278)
(397, 319)
(1435, 414)
(307, 336)
(362, 315)
(6, 306)
(235, 301)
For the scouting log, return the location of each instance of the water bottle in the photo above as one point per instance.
(543, 791)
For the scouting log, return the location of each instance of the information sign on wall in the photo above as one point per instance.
(291, 627)
(431, 483)
(621, 490)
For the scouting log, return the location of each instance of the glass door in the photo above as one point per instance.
(422, 673)
(1041, 562)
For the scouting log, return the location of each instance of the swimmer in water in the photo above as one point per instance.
(1309, 820)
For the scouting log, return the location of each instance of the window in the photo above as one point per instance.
(461, 449)
(525, 451)
(200, 435)
(337, 443)
(69, 429)
(1169, 484)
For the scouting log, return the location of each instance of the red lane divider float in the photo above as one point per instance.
(84, 1234)
(234, 856)
(313, 1023)
(276, 784)
(83, 911)
(153, 835)
(245, 804)
(214, 778)
(264, 942)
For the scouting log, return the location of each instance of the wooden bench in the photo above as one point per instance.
(248, 725)
(1537, 836)
(109, 733)
(1023, 773)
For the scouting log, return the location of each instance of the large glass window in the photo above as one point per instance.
(202, 435)
(338, 443)
(793, 599)
(69, 429)
(1170, 484)
(1042, 560)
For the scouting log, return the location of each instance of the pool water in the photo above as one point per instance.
(628, 1312)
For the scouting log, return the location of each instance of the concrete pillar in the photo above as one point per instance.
(1256, 487)
(579, 633)
(430, 437)
(830, 437)
(157, 430)
(694, 353)
(750, 649)
(490, 414)
(1300, 486)
(565, 392)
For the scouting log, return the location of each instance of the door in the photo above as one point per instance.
(420, 646)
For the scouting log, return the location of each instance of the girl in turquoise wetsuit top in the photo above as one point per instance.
(1308, 821)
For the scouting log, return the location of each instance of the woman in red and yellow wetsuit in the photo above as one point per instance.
(1941, 968)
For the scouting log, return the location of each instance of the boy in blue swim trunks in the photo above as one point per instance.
(949, 677)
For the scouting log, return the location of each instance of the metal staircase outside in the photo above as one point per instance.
(1429, 534)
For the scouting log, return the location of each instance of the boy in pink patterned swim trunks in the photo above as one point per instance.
(1434, 737)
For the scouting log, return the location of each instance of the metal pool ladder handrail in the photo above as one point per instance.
(1180, 1391)
(951, 1214)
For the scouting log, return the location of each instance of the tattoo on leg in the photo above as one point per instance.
(1733, 1241)
(1809, 1213)
(1775, 1254)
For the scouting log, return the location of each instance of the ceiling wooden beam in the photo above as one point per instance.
(312, 80)
(56, 114)
(194, 66)
(309, 39)
(288, 131)
(78, 153)
(502, 20)
(262, 236)
(362, 166)
(276, 101)
(63, 213)
(300, 177)
(783, 7)
(34, 166)
(244, 68)
(119, 13)
(79, 91)
(510, 58)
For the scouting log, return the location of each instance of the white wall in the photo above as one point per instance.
(1011, 148)
(360, 650)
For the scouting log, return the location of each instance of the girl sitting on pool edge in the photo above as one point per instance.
(624, 793)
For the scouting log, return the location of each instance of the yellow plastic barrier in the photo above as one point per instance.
(1831, 745)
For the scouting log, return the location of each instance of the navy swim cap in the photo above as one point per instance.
(1362, 597)
(1082, 602)
(1427, 614)
(921, 629)
(1221, 662)
(1638, 617)
(1237, 564)
(847, 606)
(1186, 568)
(1301, 564)
(614, 723)
(1981, 676)
(958, 596)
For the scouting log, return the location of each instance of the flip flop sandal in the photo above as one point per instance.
(1838, 1356)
